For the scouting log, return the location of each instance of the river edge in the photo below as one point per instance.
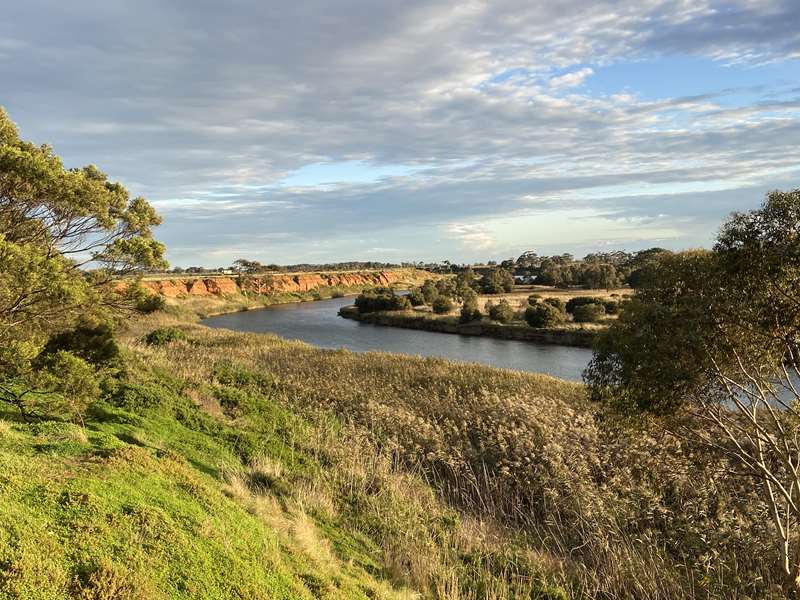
(205, 307)
(581, 338)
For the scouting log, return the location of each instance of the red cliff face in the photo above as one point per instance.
(268, 284)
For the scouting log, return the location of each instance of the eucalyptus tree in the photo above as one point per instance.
(66, 237)
(716, 335)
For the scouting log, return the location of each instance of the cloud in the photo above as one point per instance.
(571, 79)
(206, 109)
(474, 237)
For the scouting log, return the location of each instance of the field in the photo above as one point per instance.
(519, 297)
(243, 465)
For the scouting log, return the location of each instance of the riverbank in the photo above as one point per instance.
(578, 337)
(212, 296)
(223, 464)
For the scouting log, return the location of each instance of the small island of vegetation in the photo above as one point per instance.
(493, 305)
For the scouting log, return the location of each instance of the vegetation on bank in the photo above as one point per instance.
(362, 475)
(714, 335)
(541, 319)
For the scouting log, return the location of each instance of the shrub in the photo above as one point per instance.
(73, 380)
(557, 303)
(150, 303)
(442, 305)
(588, 313)
(416, 298)
(543, 315)
(573, 303)
(501, 312)
(470, 311)
(94, 344)
(534, 298)
(429, 291)
(611, 306)
(497, 282)
(446, 287)
(165, 335)
(381, 299)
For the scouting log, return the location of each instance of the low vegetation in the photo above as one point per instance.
(381, 299)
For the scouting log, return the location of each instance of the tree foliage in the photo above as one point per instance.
(66, 237)
(501, 312)
(716, 334)
(542, 314)
(497, 281)
(442, 305)
(381, 299)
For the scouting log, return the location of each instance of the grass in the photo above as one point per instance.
(244, 465)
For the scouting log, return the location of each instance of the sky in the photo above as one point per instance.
(406, 130)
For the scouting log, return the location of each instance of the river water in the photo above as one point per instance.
(319, 324)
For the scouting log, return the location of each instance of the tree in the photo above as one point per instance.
(638, 265)
(250, 267)
(716, 335)
(543, 315)
(465, 282)
(416, 298)
(589, 313)
(469, 310)
(497, 281)
(600, 275)
(66, 237)
(501, 312)
(442, 305)
(429, 291)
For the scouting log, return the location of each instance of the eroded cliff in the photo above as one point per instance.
(270, 284)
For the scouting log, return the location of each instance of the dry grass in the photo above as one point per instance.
(546, 488)
(519, 297)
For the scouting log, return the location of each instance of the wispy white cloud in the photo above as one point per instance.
(474, 237)
(572, 79)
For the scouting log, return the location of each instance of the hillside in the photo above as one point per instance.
(223, 464)
(209, 295)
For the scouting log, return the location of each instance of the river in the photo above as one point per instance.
(319, 324)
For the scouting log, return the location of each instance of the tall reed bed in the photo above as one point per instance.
(553, 490)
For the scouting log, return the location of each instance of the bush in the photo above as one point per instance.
(446, 287)
(470, 311)
(150, 303)
(165, 335)
(94, 344)
(429, 291)
(589, 313)
(577, 301)
(497, 282)
(442, 305)
(416, 298)
(381, 299)
(72, 383)
(557, 303)
(612, 307)
(543, 315)
(501, 312)
(534, 298)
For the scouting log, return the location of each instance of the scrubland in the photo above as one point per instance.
(241, 465)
